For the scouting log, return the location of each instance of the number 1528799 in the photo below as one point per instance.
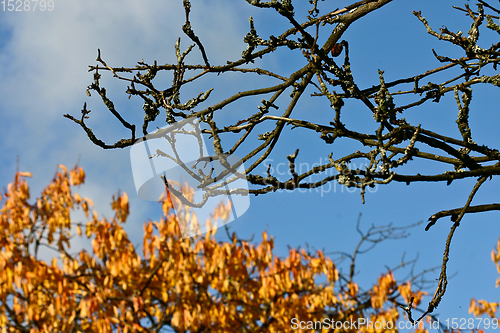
(27, 5)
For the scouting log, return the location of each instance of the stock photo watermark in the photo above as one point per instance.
(339, 185)
(438, 324)
(175, 157)
(27, 5)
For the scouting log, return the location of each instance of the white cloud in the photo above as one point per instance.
(43, 66)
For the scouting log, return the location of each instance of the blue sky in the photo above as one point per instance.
(44, 57)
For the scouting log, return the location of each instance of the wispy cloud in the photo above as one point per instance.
(44, 57)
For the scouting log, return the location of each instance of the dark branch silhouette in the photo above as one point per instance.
(383, 153)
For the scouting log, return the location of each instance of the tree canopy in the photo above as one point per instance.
(182, 284)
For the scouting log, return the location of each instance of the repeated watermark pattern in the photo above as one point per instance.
(340, 185)
(176, 157)
(27, 5)
(439, 324)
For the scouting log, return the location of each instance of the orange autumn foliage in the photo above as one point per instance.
(481, 307)
(189, 285)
